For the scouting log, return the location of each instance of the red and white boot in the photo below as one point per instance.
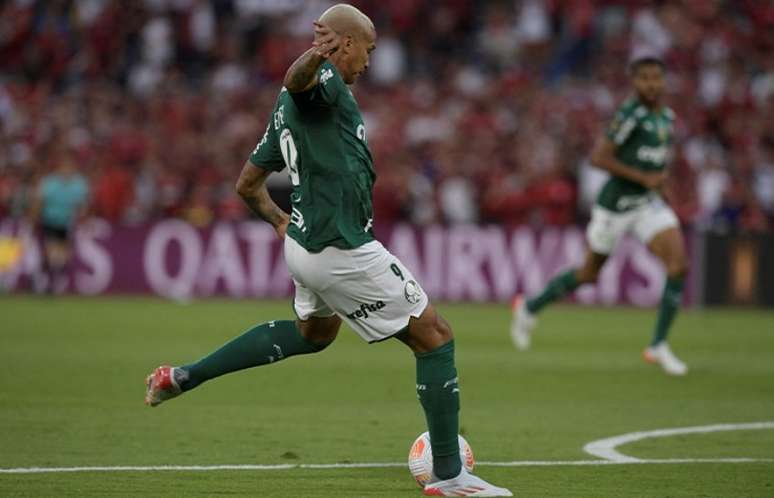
(162, 385)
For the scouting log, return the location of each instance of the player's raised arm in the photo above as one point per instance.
(251, 187)
(302, 74)
(603, 157)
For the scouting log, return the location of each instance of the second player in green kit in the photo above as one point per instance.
(635, 150)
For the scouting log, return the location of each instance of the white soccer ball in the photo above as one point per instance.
(420, 458)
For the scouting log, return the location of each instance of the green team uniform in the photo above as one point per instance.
(319, 135)
(337, 265)
(642, 139)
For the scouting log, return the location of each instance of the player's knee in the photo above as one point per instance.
(319, 343)
(320, 332)
(587, 275)
(426, 333)
(677, 268)
(443, 329)
(319, 346)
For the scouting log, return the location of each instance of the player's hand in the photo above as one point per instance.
(282, 228)
(326, 41)
(653, 181)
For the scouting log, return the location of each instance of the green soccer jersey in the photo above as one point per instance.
(319, 135)
(642, 139)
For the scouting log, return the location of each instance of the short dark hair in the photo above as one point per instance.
(639, 62)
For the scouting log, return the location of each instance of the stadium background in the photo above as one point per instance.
(478, 113)
(481, 115)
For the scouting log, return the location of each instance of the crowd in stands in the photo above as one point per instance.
(476, 110)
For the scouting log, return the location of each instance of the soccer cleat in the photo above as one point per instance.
(522, 324)
(663, 355)
(163, 384)
(465, 484)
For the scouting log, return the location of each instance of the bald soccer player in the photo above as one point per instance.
(340, 271)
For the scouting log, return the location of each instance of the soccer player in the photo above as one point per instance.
(634, 151)
(341, 273)
(59, 202)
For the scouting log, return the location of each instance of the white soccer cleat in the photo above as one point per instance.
(663, 355)
(522, 324)
(465, 484)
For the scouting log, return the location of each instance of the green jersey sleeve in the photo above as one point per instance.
(325, 93)
(623, 124)
(267, 153)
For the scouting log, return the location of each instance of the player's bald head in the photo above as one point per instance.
(348, 20)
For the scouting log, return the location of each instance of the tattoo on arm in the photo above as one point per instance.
(260, 202)
(302, 74)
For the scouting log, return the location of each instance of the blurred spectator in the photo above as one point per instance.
(476, 111)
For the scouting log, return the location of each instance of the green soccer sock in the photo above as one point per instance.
(670, 303)
(557, 288)
(266, 343)
(440, 397)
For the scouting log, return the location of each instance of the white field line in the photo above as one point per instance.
(606, 448)
(372, 465)
(603, 448)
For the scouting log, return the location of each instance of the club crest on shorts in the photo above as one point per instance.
(412, 292)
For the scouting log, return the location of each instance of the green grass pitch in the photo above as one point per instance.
(71, 388)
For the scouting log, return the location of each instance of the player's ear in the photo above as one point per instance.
(348, 43)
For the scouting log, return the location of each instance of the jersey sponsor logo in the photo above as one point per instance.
(364, 309)
(655, 155)
(627, 202)
(325, 75)
(361, 133)
(412, 292)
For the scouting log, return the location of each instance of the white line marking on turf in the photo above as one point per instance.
(606, 448)
(603, 448)
(550, 463)
(373, 465)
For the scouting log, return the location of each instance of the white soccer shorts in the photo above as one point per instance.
(645, 222)
(367, 287)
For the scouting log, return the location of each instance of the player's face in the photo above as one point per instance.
(359, 55)
(649, 83)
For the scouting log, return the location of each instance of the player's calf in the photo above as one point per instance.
(261, 345)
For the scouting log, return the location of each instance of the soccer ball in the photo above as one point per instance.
(420, 458)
